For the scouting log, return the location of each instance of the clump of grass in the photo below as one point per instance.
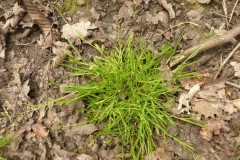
(68, 6)
(128, 91)
(4, 141)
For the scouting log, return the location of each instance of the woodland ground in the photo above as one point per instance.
(31, 75)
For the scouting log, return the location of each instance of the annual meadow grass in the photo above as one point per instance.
(129, 92)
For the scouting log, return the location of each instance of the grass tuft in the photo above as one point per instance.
(129, 92)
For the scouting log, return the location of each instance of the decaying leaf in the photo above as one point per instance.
(168, 7)
(40, 19)
(236, 103)
(75, 31)
(61, 152)
(212, 128)
(13, 18)
(161, 16)
(39, 129)
(95, 14)
(81, 130)
(158, 154)
(236, 67)
(59, 49)
(126, 11)
(84, 157)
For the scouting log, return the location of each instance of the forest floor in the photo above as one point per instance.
(30, 75)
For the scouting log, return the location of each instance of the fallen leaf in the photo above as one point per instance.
(61, 152)
(84, 157)
(206, 108)
(186, 98)
(236, 67)
(168, 7)
(158, 154)
(126, 11)
(39, 129)
(60, 49)
(76, 31)
(95, 14)
(81, 130)
(161, 16)
(204, 1)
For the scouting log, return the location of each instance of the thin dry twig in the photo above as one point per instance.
(233, 11)
(233, 84)
(225, 11)
(226, 60)
(211, 43)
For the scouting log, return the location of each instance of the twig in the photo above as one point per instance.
(233, 11)
(226, 60)
(233, 84)
(225, 12)
(211, 43)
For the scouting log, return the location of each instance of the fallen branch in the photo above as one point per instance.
(227, 37)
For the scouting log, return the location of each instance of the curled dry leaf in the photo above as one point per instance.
(75, 31)
(40, 19)
(168, 7)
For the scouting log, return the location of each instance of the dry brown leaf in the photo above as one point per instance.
(40, 19)
(39, 129)
(77, 30)
(84, 157)
(158, 154)
(161, 16)
(236, 67)
(168, 7)
(212, 128)
(206, 108)
(61, 152)
(186, 98)
(81, 130)
(236, 103)
(204, 1)
(59, 49)
(95, 14)
(229, 108)
(126, 11)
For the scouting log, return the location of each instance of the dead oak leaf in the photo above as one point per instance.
(76, 31)
(206, 108)
(161, 16)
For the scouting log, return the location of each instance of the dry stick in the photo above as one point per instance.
(215, 41)
(233, 11)
(226, 60)
(233, 84)
(225, 11)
